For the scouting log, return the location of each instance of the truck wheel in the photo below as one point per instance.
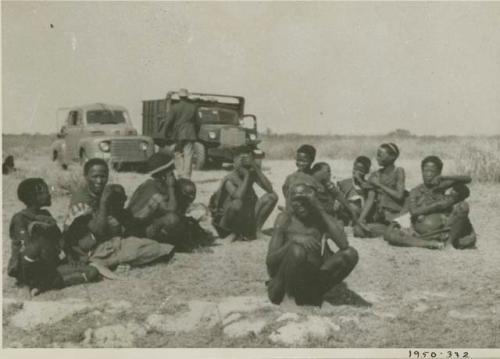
(199, 156)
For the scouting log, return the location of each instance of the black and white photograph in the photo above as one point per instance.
(242, 175)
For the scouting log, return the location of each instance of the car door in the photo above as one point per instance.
(74, 132)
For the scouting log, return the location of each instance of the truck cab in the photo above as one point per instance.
(102, 131)
(223, 126)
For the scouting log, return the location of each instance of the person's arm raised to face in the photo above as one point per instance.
(99, 222)
(172, 200)
(277, 245)
(336, 194)
(261, 179)
(370, 200)
(398, 193)
(240, 191)
(332, 229)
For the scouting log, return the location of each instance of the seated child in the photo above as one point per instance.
(299, 259)
(355, 190)
(387, 197)
(36, 257)
(439, 214)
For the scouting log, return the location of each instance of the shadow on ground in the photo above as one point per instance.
(342, 295)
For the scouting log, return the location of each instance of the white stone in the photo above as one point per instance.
(115, 336)
(242, 304)
(35, 313)
(200, 315)
(297, 333)
(288, 316)
(244, 327)
(231, 318)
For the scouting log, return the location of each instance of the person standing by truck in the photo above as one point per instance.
(181, 126)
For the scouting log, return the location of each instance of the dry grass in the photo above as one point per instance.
(465, 281)
(475, 156)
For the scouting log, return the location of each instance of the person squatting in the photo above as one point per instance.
(308, 253)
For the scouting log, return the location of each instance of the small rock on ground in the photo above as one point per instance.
(242, 304)
(35, 313)
(288, 316)
(298, 333)
(244, 327)
(114, 336)
(200, 315)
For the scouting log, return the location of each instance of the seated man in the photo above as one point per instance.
(36, 258)
(299, 260)
(304, 159)
(236, 210)
(439, 215)
(97, 221)
(160, 205)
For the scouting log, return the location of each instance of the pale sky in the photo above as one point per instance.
(339, 68)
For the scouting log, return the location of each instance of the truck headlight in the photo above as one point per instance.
(144, 146)
(212, 135)
(252, 137)
(104, 146)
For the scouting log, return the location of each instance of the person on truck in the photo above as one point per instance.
(181, 126)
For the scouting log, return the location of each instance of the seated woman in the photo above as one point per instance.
(36, 256)
(387, 197)
(439, 215)
(299, 260)
(237, 212)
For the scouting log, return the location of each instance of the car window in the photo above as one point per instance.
(218, 116)
(105, 117)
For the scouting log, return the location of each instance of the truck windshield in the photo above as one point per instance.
(218, 116)
(105, 117)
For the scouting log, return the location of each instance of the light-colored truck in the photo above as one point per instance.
(103, 131)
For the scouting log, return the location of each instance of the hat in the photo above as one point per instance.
(158, 162)
(183, 93)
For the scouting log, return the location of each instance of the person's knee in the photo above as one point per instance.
(463, 208)
(350, 257)
(392, 234)
(91, 274)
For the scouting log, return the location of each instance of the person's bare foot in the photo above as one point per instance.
(231, 237)
(435, 245)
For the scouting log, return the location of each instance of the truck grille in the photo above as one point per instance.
(230, 137)
(127, 150)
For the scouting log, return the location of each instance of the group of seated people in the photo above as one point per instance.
(308, 253)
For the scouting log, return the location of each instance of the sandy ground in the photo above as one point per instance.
(402, 297)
